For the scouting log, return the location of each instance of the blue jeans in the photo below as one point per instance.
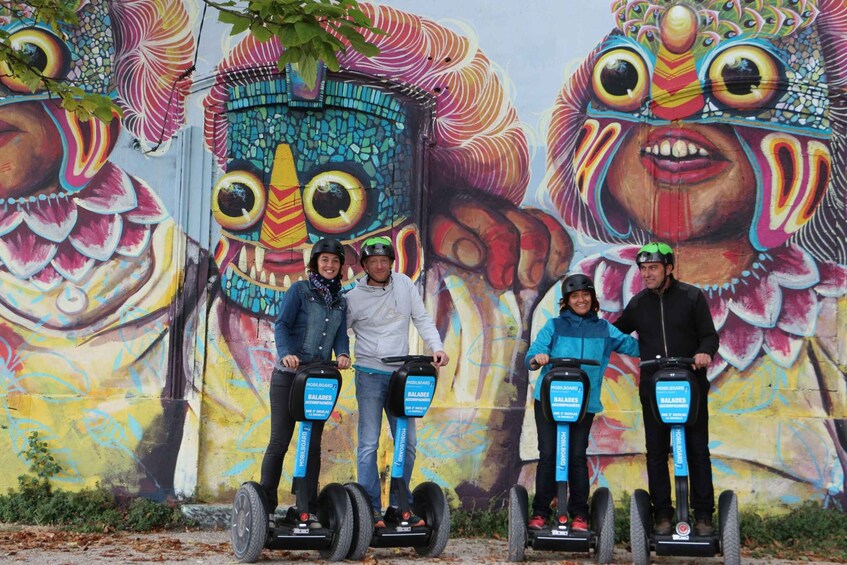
(371, 395)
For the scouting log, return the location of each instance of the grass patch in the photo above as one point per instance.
(35, 502)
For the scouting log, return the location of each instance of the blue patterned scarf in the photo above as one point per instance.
(327, 288)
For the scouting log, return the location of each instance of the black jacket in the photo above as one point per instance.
(676, 323)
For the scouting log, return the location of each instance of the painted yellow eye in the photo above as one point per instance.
(42, 51)
(334, 201)
(744, 77)
(238, 200)
(620, 79)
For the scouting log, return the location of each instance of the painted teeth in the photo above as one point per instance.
(679, 149)
(350, 273)
(272, 280)
(286, 281)
(260, 257)
(242, 260)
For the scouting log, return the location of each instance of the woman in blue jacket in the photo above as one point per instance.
(576, 333)
(312, 323)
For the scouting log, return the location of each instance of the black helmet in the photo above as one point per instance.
(327, 245)
(576, 282)
(655, 252)
(376, 246)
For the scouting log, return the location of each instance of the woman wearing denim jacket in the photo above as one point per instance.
(576, 333)
(310, 326)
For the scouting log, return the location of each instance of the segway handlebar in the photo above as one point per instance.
(408, 358)
(570, 362)
(668, 361)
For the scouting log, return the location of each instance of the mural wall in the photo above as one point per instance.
(498, 154)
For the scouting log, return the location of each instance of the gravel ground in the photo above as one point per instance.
(47, 546)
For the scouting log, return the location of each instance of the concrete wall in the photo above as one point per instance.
(500, 148)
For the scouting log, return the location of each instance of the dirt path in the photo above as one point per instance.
(47, 546)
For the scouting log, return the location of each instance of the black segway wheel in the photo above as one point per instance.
(363, 523)
(639, 527)
(603, 523)
(518, 520)
(249, 531)
(729, 528)
(429, 502)
(335, 513)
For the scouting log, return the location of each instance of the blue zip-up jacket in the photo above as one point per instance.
(308, 328)
(581, 337)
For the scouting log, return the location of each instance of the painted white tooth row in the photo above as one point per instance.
(257, 273)
(679, 149)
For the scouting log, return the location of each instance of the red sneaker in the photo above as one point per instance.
(579, 524)
(537, 522)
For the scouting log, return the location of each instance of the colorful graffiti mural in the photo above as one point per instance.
(92, 313)
(717, 126)
(348, 160)
(705, 125)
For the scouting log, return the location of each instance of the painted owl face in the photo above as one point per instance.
(343, 163)
(701, 119)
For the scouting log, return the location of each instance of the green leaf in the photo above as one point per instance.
(307, 32)
(308, 68)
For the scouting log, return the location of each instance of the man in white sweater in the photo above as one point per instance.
(379, 310)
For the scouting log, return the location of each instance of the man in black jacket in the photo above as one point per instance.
(672, 319)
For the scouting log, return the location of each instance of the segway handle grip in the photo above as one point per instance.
(667, 361)
(407, 358)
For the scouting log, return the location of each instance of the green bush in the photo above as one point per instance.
(35, 502)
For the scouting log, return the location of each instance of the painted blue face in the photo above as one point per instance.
(344, 166)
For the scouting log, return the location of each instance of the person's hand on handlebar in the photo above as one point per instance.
(539, 360)
(291, 361)
(702, 360)
(343, 361)
(440, 358)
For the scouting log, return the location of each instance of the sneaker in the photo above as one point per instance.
(313, 522)
(703, 527)
(416, 521)
(579, 524)
(378, 520)
(537, 522)
(663, 527)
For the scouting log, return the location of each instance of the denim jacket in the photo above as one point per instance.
(308, 328)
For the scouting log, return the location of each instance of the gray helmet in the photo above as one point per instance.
(655, 252)
(376, 246)
(577, 282)
(327, 245)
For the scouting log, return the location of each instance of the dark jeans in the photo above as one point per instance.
(658, 440)
(545, 474)
(282, 428)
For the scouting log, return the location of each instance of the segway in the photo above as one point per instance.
(675, 403)
(410, 393)
(564, 397)
(313, 396)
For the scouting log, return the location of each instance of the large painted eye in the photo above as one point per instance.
(42, 51)
(238, 200)
(744, 77)
(334, 201)
(620, 79)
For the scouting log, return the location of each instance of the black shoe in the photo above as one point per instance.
(703, 527)
(663, 527)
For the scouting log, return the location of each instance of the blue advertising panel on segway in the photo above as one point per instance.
(676, 399)
(564, 394)
(314, 393)
(411, 389)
